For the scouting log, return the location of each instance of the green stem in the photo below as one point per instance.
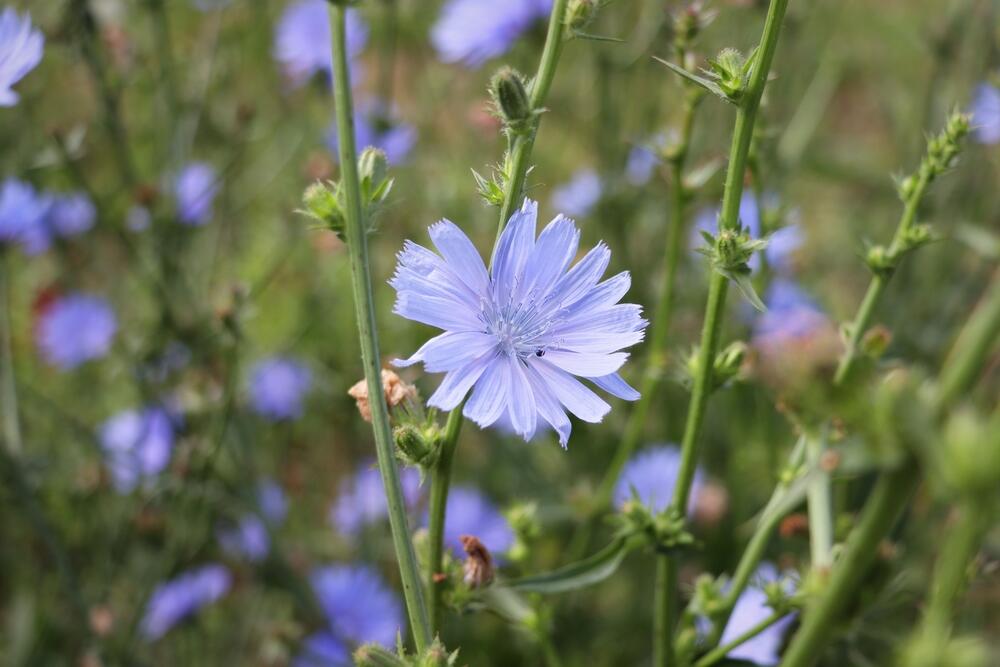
(519, 152)
(357, 244)
(440, 484)
(974, 343)
(891, 493)
(711, 330)
(820, 506)
(721, 652)
(951, 574)
(8, 400)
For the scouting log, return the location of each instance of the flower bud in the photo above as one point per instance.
(510, 98)
(579, 13)
(415, 448)
(730, 71)
(876, 341)
(373, 165)
(322, 203)
(971, 457)
(728, 363)
(375, 655)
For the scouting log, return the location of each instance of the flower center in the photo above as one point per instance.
(520, 328)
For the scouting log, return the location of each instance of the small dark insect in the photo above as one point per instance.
(539, 352)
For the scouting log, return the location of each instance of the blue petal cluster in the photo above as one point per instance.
(195, 189)
(66, 216)
(359, 608)
(22, 211)
(175, 600)
(474, 31)
(302, 39)
(361, 500)
(74, 329)
(137, 445)
(519, 334)
(579, 196)
(278, 386)
(652, 474)
(985, 110)
(21, 47)
(751, 608)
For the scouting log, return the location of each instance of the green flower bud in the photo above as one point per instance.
(436, 655)
(415, 448)
(730, 71)
(875, 341)
(970, 462)
(322, 203)
(579, 13)
(881, 260)
(510, 99)
(728, 363)
(375, 655)
(373, 171)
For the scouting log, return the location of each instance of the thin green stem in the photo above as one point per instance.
(959, 547)
(717, 654)
(891, 493)
(820, 506)
(8, 400)
(519, 151)
(974, 342)
(357, 244)
(711, 331)
(664, 610)
(440, 483)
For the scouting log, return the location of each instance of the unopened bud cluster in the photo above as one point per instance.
(731, 73)
(727, 366)
(665, 531)
(730, 254)
(942, 152)
(580, 13)
(376, 655)
(689, 21)
(326, 203)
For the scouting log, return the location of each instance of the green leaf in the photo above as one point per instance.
(745, 286)
(702, 82)
(597, 38)
(589, 571)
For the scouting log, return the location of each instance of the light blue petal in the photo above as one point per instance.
(460, 254)
(450, 350)
(582, 277)
(548, 406)
(555, 249)
(586, 365)
(490, 396)
(513, 249)
(457, 383)
(521, 406)
(575, 397)
(587, 341)
(616, 386)
(605, 294)
(435, 311)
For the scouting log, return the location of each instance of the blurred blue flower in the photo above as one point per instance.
(137, 444)
(302, 39)
(358, 604)
(321, 649)
(194, 190)
(375, 126)
(272, 501)
(249, 537)
(985, 110)
(518, 334)
(22, 211)
(211, 5)
(278, 386)
(361, 500)
(579, 196)
(791, 315)
(751, 608)
(782, 245)
(74, 329)
(652, 474)
(175, 600)
(65, 216)
(643, 159)
(474, 31)
(469, 512)
(138, 218)
(21, 48)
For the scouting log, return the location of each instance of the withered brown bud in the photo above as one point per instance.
(478, 564)
(396, 391)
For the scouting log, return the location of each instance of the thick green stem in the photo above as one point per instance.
(519, 152)
(891, 493)
(721, 652)
(440, 484)
(820, 506)
(711, 330)
(951, 574)
(972, 346)
(357, 245)
(8, 399)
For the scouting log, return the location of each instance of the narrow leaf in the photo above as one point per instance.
(745, 286)
(707, 84)
(589, 571)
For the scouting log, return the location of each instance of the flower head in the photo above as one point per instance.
(302, 39)
(791, 315)
(74, 329)
(272, 501)
(751, 608)
(652, 475)
(248, 538)
(376, 126)
(579, 196)
(358, 604)
(137, 444)
(20, 51)
(195, 189)
(782, 244)
(985, 110)
(362, 498)
(278, 386)
(474, 31)
(322, 649)
(182, 596)
(65, 216)
(22, 211)
(516, 335)
(469, 512)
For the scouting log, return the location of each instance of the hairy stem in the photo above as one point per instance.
(746, 115)
(357, 245)
(440, 484)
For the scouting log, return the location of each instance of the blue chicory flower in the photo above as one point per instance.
(579, 196)
(643, 159)
(361, 500)
(138, 218)
(985, 110)
(74, 329)
(179, 598)
(21, 47)
(278, 386)
(782, 244)
(322, 649)
(65, 216)
(751, 608)
(375, 126)
(137, 445)
(302, 39)
(358, 604)
(791, 315)
(272, 501)
(468, 512)
(516, 335)
(652, 475)
(249, 537)
(474, 31)
(22, 211)
(194, 190)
